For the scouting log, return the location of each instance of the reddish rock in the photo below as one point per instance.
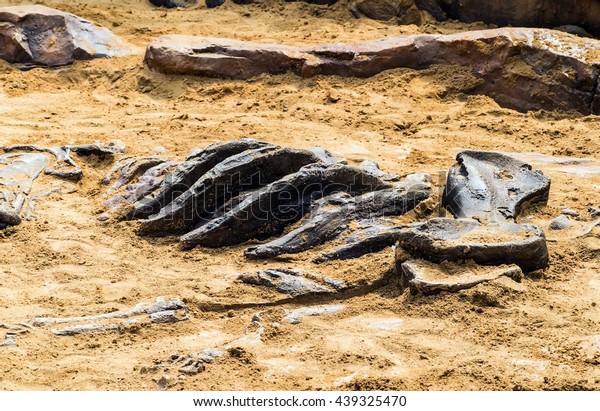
(39, 36)
(523, 69)
(526, 13)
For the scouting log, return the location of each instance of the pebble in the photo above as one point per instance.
(570, 212)
(560, 223)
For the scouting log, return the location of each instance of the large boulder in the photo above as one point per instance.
(40, 36)
(523, 69)
(526, 13)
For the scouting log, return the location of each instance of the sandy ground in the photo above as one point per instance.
(541, 334)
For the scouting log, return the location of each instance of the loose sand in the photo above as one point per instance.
(541, 334)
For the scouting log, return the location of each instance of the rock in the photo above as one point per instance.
(570, 212)
(423, 277)
(207, 355)
(17, 174)
(526, 13)
(576, 30)
(292, 282)
(173, 3)
(296, 316)
(432, 7)
(211, 4)
(490, 54)
(561, 223)
(594, 211)
(242, 172)
(192, 369)
(332, 216)
(39, 36)
(445, 239)
(270, 209)
(386, 10)
(168, 316)
(492, 186)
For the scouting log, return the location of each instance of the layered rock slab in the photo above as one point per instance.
(40, 36)
(523, 69)
(445, 239)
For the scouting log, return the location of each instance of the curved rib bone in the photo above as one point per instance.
(332, 216)
(244, 171)
(281, 203)
(187, 173)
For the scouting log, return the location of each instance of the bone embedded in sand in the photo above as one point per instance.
(128, 169)
(173, 3)
(423, 277)
(197, 163)
(332, 215)
(295, 316)
(362, 242)
(85, 328)
(29, 212)
(292, 282)
(17, 174)
(238, 173)
(64, 166)
(446, 239)
(280, 204)
(158, 306)
(492, 186)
